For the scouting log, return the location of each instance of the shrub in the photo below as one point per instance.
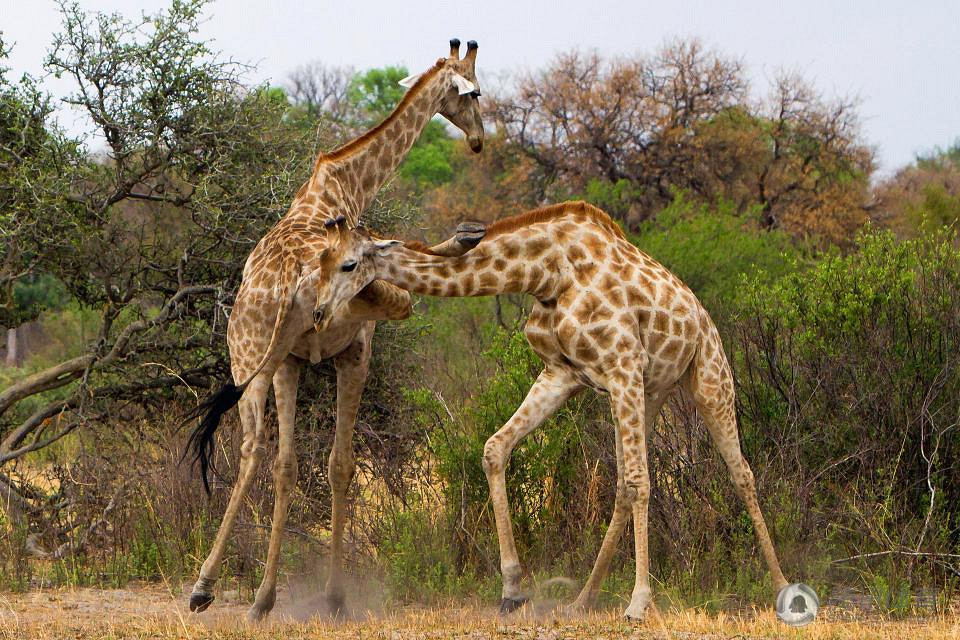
(712, 248)
(848, 376)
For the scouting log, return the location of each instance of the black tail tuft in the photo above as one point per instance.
(201, 439)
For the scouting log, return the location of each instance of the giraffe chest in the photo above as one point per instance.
(314, 346)
(563, 341)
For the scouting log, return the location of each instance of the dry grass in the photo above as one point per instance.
(151, 612)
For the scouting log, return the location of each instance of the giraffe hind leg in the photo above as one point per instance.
(621, 514)
(711, 385)
(285, 382)
(251, 407)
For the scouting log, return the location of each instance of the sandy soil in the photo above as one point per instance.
(152, 611)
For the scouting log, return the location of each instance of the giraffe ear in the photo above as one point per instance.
(462, 84)
(409, 81)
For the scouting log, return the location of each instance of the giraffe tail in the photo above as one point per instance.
(201, 438)
(211, 410)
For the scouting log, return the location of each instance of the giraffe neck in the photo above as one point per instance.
(505, 264)
(360, 167)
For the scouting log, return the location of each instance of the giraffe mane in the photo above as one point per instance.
(527, 218)
(552, 212)
(362, 139)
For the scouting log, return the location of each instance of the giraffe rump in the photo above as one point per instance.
(201, 438)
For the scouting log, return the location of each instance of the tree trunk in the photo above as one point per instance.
(13, 347)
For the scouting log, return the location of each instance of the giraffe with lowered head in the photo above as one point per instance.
(605, 316)
(273, 326)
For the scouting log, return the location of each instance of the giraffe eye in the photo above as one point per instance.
(349, 266)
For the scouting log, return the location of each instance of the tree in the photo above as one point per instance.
(923, 195)
(37, 164)
(632, 131)
(148, 238)
(629, 119)
(322, 91)
(152, 234)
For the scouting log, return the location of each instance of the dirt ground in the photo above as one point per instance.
(152, 611)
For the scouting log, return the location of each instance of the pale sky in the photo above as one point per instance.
(901, 58)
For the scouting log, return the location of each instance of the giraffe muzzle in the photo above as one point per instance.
(319, 313)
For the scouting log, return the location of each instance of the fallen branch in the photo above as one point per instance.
(896, 552)
(935, 557)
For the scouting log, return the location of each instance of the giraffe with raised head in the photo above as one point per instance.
(605, 316)
(273, 326)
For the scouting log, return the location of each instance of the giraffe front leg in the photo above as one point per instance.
(628, 405)
(549, 391)
(252, 450)
(285, 382)
(622, 510)
(352, 366)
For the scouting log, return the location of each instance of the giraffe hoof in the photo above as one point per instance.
(262, 605)
(199, 601)
(509, 605)
(637, 610)
(335, 602)
(257, 613)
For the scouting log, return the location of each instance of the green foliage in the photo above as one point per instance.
(615, 198)
(375, 92)
(36, 168)
(936, 208)
(712, 249)
(429, 162)
(277, 95)
(940, 157)
(418, 561)
(891, 596)
(859, 355)
(38, 292)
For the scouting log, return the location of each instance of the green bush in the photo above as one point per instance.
(849, 379)
(712, 248)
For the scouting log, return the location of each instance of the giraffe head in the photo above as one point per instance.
(345, 267)
(461, 101)
(353, 264)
